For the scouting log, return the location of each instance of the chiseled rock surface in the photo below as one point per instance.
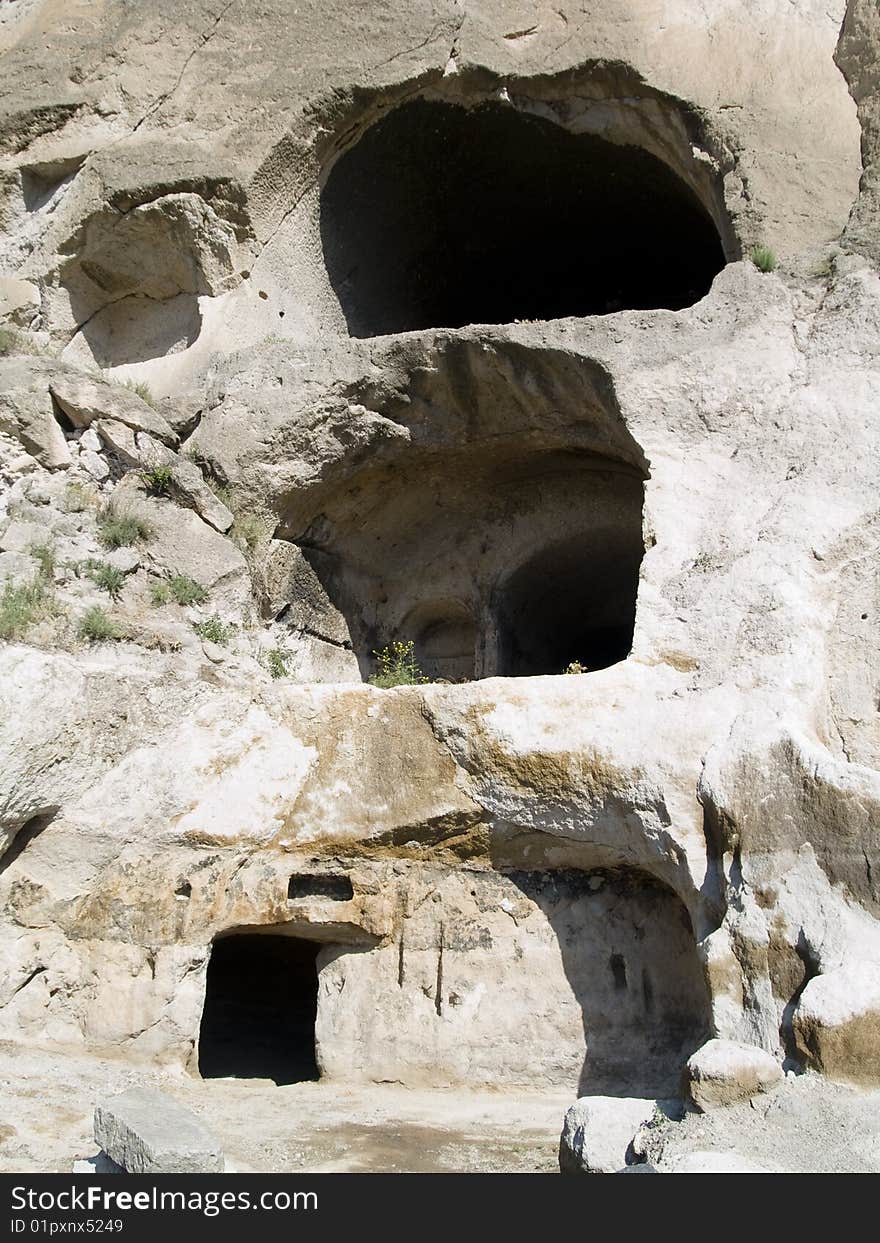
(148, 1132)
(723, 1072)
(837, 1024)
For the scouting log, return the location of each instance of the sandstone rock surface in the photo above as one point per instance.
(837, 1024)
(723, 1072)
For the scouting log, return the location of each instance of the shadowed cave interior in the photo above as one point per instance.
(490, 569)
(441, 216)
(572, 602)
(261, 998)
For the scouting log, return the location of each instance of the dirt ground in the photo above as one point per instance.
(47, 1102)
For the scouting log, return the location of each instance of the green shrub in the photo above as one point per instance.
(105, 576)
(117, 530)
(158, 481)
(248, 531)
(186, 590)
(277, 659)
(181, 589)
(140, 389)
(576, 667)
(23, 604)
(214, 630)
(46, 557)
(763, 258)
(397, 666)
(95, 626)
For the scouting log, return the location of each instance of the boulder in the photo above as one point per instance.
(598, 1131)
(181, 543)
(85, 398)
(289, 585)
(724, 1072)
(837, 1024)
(147, 1132)
(182, 412)
(189, 487)
(15, 566)
(118, 439)
(126, 559)
(27, 413)
(96, 465)
(19, 536)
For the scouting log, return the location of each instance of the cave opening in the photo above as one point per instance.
(261, 998)
(572, 604)
(441, 216)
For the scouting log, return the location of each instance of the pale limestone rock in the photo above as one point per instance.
(26, 411)
(118, 439)
(598, 1131)
(148, 1132)
(84, 399)
(95, 464)
(507, 839)
(181, 543)
(16, 566)
(125, 559)
(19, 300)
(723, 1072)
(21, 536)
(191, 489)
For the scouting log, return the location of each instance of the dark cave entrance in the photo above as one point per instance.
(572, 602)
(441, 216)
(261, 998)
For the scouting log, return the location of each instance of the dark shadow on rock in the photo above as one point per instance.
(25, 835)
(629, 953)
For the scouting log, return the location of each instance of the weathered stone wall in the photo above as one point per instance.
(169, 190)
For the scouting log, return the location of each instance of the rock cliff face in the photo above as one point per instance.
(542, 336)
